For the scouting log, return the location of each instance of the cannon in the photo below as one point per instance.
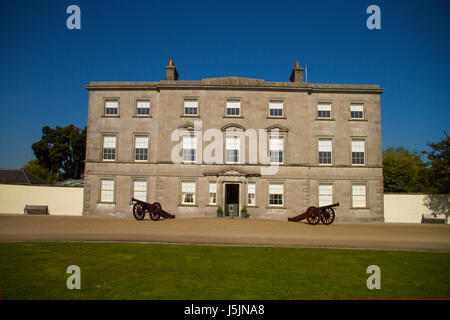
(155, 212)
(313, 215)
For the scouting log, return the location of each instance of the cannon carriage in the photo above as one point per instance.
(314, 215)
(154, 210)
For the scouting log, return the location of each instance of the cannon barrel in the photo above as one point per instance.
(138, 201)
(330, 206)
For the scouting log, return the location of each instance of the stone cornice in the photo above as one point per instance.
(234, 83)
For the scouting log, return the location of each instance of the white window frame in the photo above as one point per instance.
(325, 145)
(276, 185)
(325, 196)
(359, 108)
(188, 187)
(107, 105)
(140, 187)
(276, 106)
(323, 107)
(251, 194)
(141, 145)
(190, 104)
(212, 193)
(359, 195)
(189, 148)
(276, 147)
(236, 141)
(107, 190)
(107, 145)
(147, 106)
(357, 149)
(233, 104)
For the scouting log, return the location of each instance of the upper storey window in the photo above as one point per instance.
(358, 152)
(189, 149)
(356, 111)
(111, 107)
(232, 148)
(141, 148)
(190, 107)
(325, 150)
(143, 108)
(109, 147)
(276, 149)
(233, 108)
(324, 111)
(276, 108)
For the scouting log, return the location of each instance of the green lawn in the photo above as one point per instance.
(159, 271)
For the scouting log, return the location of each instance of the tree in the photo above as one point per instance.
(439, 165)
(36, 169)
(438, 199)
(404, 171)
(62, 151)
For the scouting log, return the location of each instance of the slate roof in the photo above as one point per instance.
(71, 183)
(19, 176)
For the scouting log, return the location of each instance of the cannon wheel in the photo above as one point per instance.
(139, 211)
(313, 215)
(313, 219)
(154, 213)
(328, 216)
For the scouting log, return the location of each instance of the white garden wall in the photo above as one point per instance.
(60, 200)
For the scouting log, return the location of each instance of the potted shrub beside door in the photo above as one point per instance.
(244, 212)
(219, 212)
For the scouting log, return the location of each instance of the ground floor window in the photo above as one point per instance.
(213, 193)
(140, 190)
(325, 194)
(251, 191)
(107, 190)
(359, 196)
(275, 194)
(188, 192)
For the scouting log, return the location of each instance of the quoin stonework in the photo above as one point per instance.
(274, 147)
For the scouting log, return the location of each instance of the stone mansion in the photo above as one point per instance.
(151, 140)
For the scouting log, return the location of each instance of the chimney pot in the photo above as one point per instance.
(297, 74)
(171, 72)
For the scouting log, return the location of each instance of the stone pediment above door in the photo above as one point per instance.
(278, 127)
(189, 126)
(232, 172)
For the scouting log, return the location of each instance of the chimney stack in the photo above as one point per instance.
(297, 74)
(171, 71)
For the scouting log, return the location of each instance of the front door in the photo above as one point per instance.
(232, 200)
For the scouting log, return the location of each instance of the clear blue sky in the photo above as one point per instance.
(44, 66)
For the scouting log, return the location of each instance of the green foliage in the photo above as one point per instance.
(404, 171)
(439, 166)
(438, 199)
(62, 151)
(244, 212)
(438, 203)
(36, 169)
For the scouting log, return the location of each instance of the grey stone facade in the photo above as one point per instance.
(356, 184)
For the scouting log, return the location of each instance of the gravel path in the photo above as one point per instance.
(226, 232)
